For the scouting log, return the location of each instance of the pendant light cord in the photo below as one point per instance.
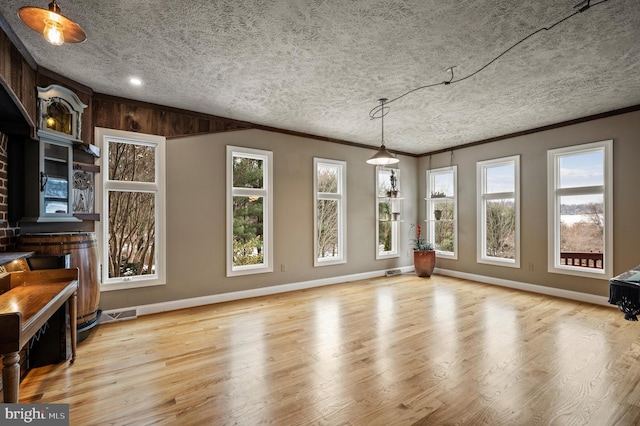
(382, 119)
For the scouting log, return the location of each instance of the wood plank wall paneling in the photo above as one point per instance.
(19, 77)
(125, 114)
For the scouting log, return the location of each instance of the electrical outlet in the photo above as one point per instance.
(530, 268)
(283, 268)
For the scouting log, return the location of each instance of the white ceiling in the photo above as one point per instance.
(319, 66)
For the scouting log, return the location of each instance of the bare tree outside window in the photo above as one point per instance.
(582, 226)
(131, 233)
(500, 228)
(327, 211)
(132, 214)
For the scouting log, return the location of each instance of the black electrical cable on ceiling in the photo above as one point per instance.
(381, 110)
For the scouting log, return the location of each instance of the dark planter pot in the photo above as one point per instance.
(424, 262)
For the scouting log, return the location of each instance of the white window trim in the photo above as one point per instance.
(103, 186)
(341, 197)
(553, 209)
(395, 231)
(267, 193)
(481, 211)
(444, 254)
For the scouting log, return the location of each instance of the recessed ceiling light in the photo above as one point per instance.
(135, 81)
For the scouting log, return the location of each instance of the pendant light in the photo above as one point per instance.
(383, 157)
(56, 28)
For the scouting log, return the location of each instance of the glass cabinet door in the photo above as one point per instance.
(55, 179)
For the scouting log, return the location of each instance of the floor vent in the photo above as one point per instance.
(393, 272)
(112, 316)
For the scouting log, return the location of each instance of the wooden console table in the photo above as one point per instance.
(27, 301)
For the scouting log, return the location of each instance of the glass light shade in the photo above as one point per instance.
(383, 157)
(56, 28)
(53, 32)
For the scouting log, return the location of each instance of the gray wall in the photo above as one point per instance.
(196, 179)
(196, 210)
(623, 129)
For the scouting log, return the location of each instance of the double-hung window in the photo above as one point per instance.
(442, 210)
(388, 206)
(579, 209)
(249, 211)
(499, 211)
(330, 207)
(132, 205)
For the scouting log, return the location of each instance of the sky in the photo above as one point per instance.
(580, 170)
(577, 170)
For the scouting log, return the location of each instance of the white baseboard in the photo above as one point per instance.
(265, 291)
(245, 294)
(533, 288)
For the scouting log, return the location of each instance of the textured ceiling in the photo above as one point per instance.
(318, 66)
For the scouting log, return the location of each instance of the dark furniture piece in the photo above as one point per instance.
(624, 292)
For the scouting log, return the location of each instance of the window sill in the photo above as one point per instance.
(127, 285)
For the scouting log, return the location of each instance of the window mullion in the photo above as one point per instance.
(499, 195)
(583, 190)
(131, 186)
(249, 192)
(329, 196)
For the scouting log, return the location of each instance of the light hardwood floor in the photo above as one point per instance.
(387, 351)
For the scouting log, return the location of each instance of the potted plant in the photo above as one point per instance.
(424, 256)
(437, 213)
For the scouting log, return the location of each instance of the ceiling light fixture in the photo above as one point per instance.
(383, 157)
(56, 28)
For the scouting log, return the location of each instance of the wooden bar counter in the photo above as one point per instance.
(27, 300)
